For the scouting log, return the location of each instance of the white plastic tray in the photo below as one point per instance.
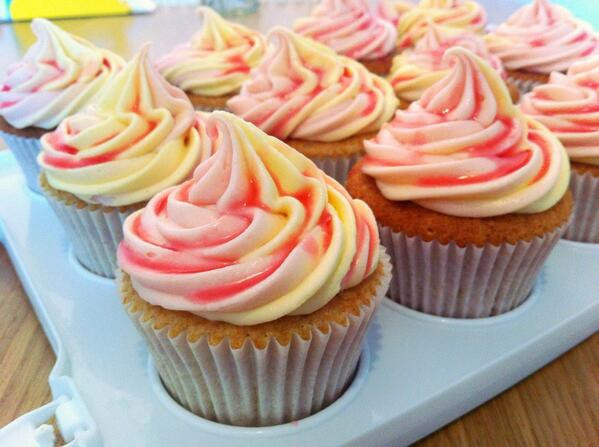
(417, 372)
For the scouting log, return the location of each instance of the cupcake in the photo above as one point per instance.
(415, 70)
(58, 76)
(213, 65)
(392, 10)
(320, 103)
(101, 164)
(470, 195)
(352, 30)
(253, 282)
(569, 106)
(540, 38)
(466, 15)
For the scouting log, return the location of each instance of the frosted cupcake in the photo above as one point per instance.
(462, 14)
(58, 76)
(213, 65)
(540, 38)
(140, 137)
(352, 30)
(470, 195)
(320, 103)
(254, 282)
(392, 10)
(569, 106)
(415, 70)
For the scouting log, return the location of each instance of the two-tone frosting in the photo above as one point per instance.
(462, 14)
(392, 10)
(258, 233)
(464, 149)
(415, 70)
(304, 90)
(350, 28)
(217, 60)
(141, 136)
(58, 76)
(568, 105)
(542, 37)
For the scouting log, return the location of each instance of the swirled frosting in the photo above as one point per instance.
(141, 136)
(415, 70)
(58, 76)
(258, 233)
(348, 27)
(392, 10)
(464, 149)
(304, 90)
(462, 14)
(569, 106)
(542, 37)
(217, 60)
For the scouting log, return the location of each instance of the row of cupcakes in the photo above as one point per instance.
(252, 274)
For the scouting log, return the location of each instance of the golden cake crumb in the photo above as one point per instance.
(584, 168)
(414, 220)
(210, 102)
(27, 132)
(347, 302)
(349, 146)
(71, 200)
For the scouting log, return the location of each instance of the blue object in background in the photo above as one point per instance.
(583, 9)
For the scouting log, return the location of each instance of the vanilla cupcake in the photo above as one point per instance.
(320, 103)
(58, 76)
(101, 164)
(540, 38)
(415, 70)
(569, 106)
(462, 14)
(217, 60)
(392, 10)
(253, 282)
(352, 30)
(470, 195)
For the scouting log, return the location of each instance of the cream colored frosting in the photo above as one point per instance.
(141, 136)
(463, 14)
(569, 106)
(392, 10)
(303, 89)
(415, 70)
(58, 76)
(464, 149)
(217, 60)
(542, 37)
(349, 28)
(258, 233)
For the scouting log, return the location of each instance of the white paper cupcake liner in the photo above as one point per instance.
(524, 85)
(95, 233)
(336, 167)
(259, 387)
(585, 217)
(25, 151)
(464, 282)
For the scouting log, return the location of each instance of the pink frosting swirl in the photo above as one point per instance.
(259, 232)
(58, 76)
(464, 149)
(462, 14)
(542, 37)
(569, 106)
(304, 90)
(391, 10)
(348, 27)
(415, 70)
